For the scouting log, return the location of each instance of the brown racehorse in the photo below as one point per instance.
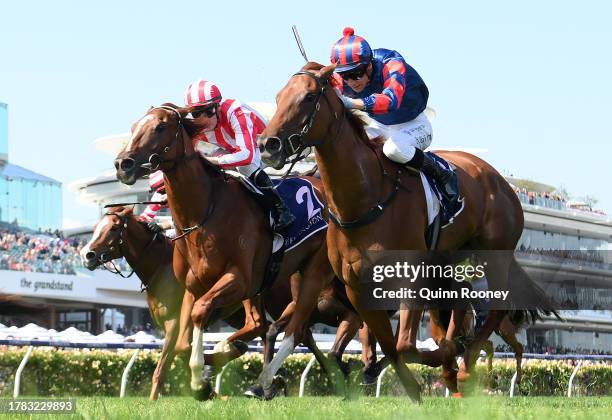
(359, 184)
(227, 240)
(120, 234)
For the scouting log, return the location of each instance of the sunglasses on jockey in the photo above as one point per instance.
(209, 112)
(354, 74)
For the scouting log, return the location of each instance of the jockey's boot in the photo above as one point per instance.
(444, 177)
(281, 213)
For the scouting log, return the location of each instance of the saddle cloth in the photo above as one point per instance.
(300, 197)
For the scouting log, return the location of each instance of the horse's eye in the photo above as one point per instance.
(114, 227)
(310, 97)
(160, 127)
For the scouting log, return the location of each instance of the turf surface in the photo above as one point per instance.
(323, 408)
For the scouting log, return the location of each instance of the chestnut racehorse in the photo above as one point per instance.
(120, 234)
(226, 238)
(382, 207)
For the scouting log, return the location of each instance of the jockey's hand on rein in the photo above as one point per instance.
(154, 227)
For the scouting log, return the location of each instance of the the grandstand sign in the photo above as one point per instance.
(59, 286)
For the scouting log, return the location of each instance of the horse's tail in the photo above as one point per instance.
(532, 297)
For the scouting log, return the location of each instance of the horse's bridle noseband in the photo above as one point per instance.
(106, 257)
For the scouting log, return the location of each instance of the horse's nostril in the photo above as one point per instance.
(105, 257)
(90, 256)
(273, 145)
(127, 164)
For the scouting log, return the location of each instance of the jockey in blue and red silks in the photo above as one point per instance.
(233, 127)
(394, 96)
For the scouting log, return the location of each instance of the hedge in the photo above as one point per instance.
(56, 372)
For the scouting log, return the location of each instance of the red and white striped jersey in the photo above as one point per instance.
(236, 132)
(151, 210)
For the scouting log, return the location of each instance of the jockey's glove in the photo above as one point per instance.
(154, 227)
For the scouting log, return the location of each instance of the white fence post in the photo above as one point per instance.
(571, 379)
(304, 375)
(513, 381)
(218, 380)
(22, 366)
(380, 379)
(126, 372)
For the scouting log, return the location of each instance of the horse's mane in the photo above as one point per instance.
(356, 122)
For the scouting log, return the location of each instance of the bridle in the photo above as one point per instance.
(299, 138)
(155, 161)
(292, 146)
(117, 243)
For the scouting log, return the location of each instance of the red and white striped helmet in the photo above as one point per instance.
(156, 181)
(202, 93)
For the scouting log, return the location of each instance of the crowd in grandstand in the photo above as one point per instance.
(591, 257)
(38, 252)
(551, 200)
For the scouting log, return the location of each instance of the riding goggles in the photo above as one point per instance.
(209, 112)
(355, 74)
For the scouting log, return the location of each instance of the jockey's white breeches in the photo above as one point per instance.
(401, 140)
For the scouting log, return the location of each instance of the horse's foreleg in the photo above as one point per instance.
(316, 275)
(183, 342)
(473, 349)
(227, 290)
(348, 327)
(171, 328)
(508, 334)
(275, 329)
(378, 322)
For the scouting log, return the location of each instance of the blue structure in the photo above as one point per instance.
(27, 198)
(3, 132)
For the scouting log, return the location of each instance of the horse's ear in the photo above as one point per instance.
(327, 71)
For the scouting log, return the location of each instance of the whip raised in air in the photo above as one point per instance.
(298, 40)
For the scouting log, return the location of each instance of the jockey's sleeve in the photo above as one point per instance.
(337, 82)
(245, 146)
(390, 99)
(151, 210)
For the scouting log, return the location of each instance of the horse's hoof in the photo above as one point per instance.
(240, 346)
(205, 393)
(255, 391)
(279, 387)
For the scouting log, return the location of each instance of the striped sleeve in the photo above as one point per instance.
(151, 210)
(242, 126)
(390, 99)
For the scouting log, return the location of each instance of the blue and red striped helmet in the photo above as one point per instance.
(350, 51)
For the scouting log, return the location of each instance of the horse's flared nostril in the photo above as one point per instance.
(105, 257)
(127, 164)
(273, 145)
(90, 256)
